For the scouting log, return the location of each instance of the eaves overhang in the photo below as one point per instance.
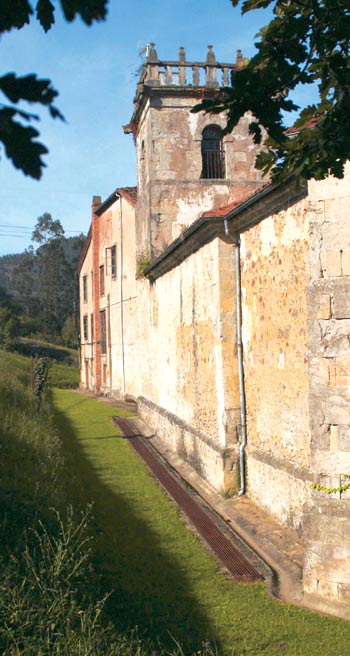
(107, 203)
(271, 199)
(129, 193)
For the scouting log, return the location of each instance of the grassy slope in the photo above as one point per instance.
(45, 569)
(163, 579)
(61, 375)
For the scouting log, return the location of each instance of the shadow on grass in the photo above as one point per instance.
(150, 589)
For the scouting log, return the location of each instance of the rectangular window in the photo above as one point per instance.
(113, 261)
(103, 340)
(92, 328)
(85, 327)
(85, 293)
(102, 280)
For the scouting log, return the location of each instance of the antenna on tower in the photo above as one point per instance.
(142, 51)
(145, 50)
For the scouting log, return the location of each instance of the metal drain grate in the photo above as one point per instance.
(237, 564)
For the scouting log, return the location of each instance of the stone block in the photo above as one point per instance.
(337, 409)
(329, 338)
(319, 304)
(336, 236)
(344, 592)
(320, 435)
(344, 537)
(334, 438)
(227, 332)
(332, 373)
(310, 586)
(319, 371)
(328, 589)
(331, 263)
(346, 263)
(344, 439)
(341, 300)
(337, 210)
(332, 463)
(342, 370)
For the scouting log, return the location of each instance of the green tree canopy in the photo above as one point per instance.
(9, 325)
(46, 229)
(307, 42)
(18, 136)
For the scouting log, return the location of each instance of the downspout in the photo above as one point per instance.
(121, 291)
(109, 343)
(243, 414)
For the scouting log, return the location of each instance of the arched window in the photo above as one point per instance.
(213, 161)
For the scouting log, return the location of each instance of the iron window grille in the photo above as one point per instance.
(213, 156)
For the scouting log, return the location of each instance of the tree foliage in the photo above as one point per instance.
(18, 136)
(47, 229)
(9, 323)
(45, 282)
(307, 42)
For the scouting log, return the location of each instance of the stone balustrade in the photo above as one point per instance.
(182, 73)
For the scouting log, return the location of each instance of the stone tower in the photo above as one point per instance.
(185, 165)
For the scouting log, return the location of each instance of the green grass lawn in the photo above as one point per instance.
(163, 579)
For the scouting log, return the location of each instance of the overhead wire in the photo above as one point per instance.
(13, 225)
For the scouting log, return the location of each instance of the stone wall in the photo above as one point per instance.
(87, 305)
(327, 517)
(275, 275)
(188, 369)
(122, 374)
(116, 370)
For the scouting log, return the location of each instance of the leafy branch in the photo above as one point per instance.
(305, 43)
(17, 135)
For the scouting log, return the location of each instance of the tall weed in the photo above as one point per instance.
(45, 607)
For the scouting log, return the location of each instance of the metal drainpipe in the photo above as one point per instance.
(243, 414)
(109, 343)
(121, 290)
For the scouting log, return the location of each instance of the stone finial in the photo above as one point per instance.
(239, 57)
(152, 56)
(211, 59)
(182, 55)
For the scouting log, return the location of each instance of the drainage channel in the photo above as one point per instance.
(240, 568)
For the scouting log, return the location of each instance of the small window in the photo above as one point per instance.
(113, 261)
(92, 328)
(85, 328)
(103, 339)
(102, 280)
(213, 160)
(85, 293)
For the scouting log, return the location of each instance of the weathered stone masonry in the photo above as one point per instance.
(172, 333)
(327, 520)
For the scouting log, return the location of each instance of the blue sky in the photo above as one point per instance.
(95, 71)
